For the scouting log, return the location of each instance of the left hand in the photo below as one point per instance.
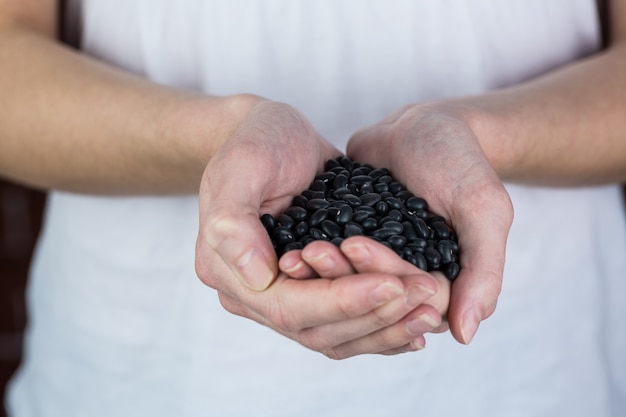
(434, 152)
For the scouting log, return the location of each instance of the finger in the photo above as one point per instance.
(293, 305)
(367, 255)
(230, 224)
(250, 255)
(317, 259)
(326, 337)
(421, 320)
(475, 291)
(415, 345)
(292, 264)
(327, 260)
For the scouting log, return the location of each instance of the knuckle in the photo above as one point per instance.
(334, 354)
(281, 318)
(311, 339)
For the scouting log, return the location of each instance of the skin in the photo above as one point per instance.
(180, 142)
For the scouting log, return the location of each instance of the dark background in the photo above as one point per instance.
(20, 222)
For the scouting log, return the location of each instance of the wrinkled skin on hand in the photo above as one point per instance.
(433, 151)
(271, 157)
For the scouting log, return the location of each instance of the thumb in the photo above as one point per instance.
(230, 225)
(475, 291)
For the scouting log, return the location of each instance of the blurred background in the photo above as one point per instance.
(20, 222)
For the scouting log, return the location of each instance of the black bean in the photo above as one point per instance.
(381, 208)
(326, 177)
(362, 170)
(366, 189)
(395, 214)
(396, 226)
(352, 229)
(370, 199)
(352, 199)
(369, 223)
(317, 234)
(299, 201)
(345, 215)
(284, 236)
(286, 220)
(386, 179)
(408, 230)
(452, 270)
(381, 187)
(331, 229)
(311, 194)
(432, 257)
(340, 181)
(394, 203)
(379, 172)
(404, 195)
(301, 229)
(417, 245)
(346, 163)
(318, 217)
(330, 164)
(415, 203)
(336, 241)
(370, 211)
(318, 185)
(395, 187)
(316, 204)
(360, 180)
(396, 241)
(384, 232)
(293, 246)
(297, 213)
(442, 231)
(421, 262)
(340, 192)
(420, 227)
(268, 221)
(360, 216)
(445, 250)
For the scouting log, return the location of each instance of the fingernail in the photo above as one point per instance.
(322, 262)
(385, 292)
(357, 252)
(254, 271)
(421, 324)
(293, 268)
(469, 325)
(419, 343)
(417, 294)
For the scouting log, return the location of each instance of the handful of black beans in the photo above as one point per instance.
(350, 199)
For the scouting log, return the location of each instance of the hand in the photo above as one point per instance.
(361, 255)
(434, 152)
(271, 157)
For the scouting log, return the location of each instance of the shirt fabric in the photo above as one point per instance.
(119, 324)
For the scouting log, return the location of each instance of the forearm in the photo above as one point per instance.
(565, 128)
(72, 123)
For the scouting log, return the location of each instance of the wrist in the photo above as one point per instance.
(494, 132)
(195, 127)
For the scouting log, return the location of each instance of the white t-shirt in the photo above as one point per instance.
(121, 326)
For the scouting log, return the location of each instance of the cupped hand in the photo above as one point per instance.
(434, 152)
(271, 157)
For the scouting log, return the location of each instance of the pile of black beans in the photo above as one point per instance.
(350, 199)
